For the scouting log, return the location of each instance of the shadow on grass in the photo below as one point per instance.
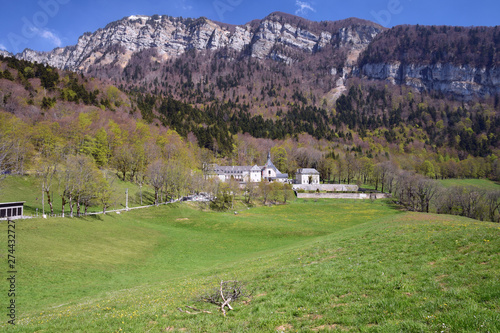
(92, 218)
(29, 210)
(392, 203)
(148, 198)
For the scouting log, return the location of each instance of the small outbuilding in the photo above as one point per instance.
(12, 210)
(307, 176)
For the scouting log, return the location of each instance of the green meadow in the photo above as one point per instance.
(27, 188)
(320, 265)
(481, 183)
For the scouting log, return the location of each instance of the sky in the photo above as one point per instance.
(43, 25)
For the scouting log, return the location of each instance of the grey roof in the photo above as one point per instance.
(308, 171)
(232, 169)
(269, 164)
(281, 175)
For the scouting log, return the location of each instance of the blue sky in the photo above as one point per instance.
(45, 24)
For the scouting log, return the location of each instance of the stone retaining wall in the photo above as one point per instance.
(343, 195)
(326, 187)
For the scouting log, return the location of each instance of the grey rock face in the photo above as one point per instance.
(275, 37)
(5, 53)
(171, 37)
(463, 81)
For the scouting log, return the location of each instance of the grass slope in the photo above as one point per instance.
(312, 266)
(481, 183)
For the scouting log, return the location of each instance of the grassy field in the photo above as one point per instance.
(482, 183)
(311, 266)
(27, 188)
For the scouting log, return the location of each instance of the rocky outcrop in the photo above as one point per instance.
(460, 81)
(5, 53)
(460, 61)
(270, 38)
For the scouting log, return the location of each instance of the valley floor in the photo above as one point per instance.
(316, 265)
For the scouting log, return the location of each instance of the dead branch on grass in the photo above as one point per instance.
(225, 293)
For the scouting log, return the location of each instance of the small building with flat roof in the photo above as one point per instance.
(11, 210)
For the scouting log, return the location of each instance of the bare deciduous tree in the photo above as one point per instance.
(327, 167)
(250, 192)
(385, 172)
(46, 172)
(351, 167)
(469, 199)
(264, 191)
(156, 177)
(66, 184)
(222, 199)
(4, 151)
(426, 189)
(287, 192)
(81, 179)
(105, 191)
(492, 199)
(414, 191)
(123, 160)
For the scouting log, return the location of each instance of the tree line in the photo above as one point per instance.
(421, 194)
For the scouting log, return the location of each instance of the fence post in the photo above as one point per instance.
(126, 199)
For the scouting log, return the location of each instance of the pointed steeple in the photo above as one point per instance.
(269, 163)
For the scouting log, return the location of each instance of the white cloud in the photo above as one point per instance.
(303, 7)
(184, 6)
(48, 35)
(2, 47)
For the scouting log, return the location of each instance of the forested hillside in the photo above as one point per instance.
(472, 46)
(73, 132)
(371, 119)
(336, 87)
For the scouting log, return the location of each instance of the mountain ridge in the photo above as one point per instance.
(193, 25)
(350, 48)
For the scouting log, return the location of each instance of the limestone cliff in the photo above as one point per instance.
(461, 81)
(463, 62)
(171, 37)
(276, 37)
(5, 53)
